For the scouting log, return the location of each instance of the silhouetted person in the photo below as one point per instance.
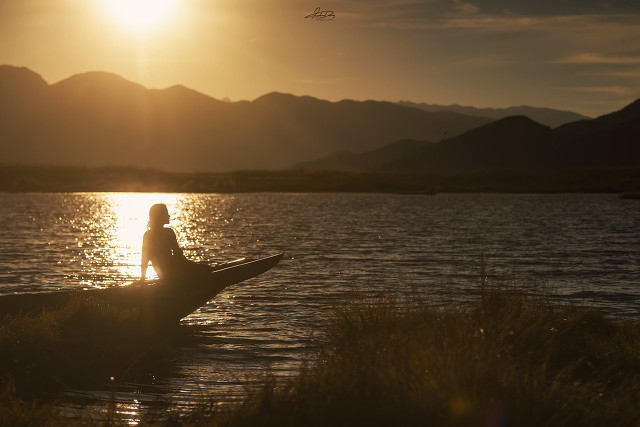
(160, 246)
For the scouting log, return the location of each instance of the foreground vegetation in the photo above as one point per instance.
(510, 359)
(88, 343)
(25, 178)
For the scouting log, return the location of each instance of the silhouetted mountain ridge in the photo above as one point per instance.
(372, 160)
(97, 81)
(580, 128)
(611, 141)
(507, 143)
(19, 80)
(100, 118)
(547, 116)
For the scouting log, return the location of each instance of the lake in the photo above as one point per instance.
(583, 249)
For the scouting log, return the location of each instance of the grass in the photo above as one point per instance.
(510, 359)
(50, 352)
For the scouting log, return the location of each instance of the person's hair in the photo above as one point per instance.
(157, 213)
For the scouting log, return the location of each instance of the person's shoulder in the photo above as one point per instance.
(168, 231)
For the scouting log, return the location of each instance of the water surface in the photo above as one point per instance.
(584, 248)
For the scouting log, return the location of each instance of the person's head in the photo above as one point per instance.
(158, 215)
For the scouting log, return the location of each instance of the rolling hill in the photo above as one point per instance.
(608, 142)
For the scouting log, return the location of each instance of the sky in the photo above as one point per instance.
(578, 55)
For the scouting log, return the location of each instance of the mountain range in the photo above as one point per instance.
(98, 118)
(611, 141)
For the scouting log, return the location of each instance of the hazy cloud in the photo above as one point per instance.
(556, 7)
(632, 73)
(611, 90)
(415, 14)
(511, 7)
(594, 58)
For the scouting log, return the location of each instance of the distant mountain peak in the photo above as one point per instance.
(11, 70)
(22, 77)
(520, 118)
(282, 97)
(515, 124)
(101, 79)
(179, 88)
(634, 107)
(629, 112)
(185, 92)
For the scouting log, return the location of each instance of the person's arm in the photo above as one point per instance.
(144, 261)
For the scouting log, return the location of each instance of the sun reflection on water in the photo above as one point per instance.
(126, 222)
(130, 412)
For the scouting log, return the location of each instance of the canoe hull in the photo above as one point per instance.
(158, 301)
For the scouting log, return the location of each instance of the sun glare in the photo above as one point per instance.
(140, 15)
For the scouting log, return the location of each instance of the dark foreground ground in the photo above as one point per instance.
(21, 178)
(512, 358)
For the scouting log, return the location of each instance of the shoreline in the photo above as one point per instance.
(82, 179)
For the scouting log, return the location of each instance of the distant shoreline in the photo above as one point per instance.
(70, 179)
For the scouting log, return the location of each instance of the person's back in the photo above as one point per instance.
(160, 246)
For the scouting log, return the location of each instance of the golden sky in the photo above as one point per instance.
(582, 55)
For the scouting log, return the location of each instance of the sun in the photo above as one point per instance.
(140, 15)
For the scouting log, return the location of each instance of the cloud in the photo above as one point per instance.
(555, 7)
(612, 90)
(628, 73)
(488, 14)
(595, 58)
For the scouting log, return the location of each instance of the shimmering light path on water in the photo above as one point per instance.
(584, 248)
